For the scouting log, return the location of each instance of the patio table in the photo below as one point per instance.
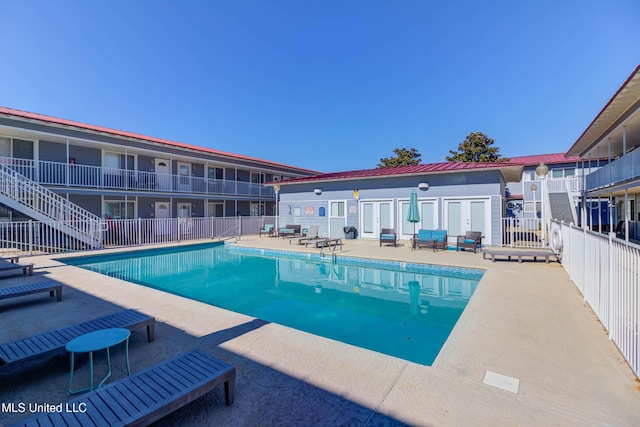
(103, 339)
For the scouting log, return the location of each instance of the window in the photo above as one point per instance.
(532, 206)
(119, 209)
(256, 209)
(5, 147)
(216, 209)
(337, 209)
(257, 178)
(17, 148)
(215, 173)
(562, 173)
(119, 161)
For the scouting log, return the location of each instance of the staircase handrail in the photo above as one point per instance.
(572, 204)
(229, 229)
(38, 198)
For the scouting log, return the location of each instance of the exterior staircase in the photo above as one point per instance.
(30, 198)
(562, 208)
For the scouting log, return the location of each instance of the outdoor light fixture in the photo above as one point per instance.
(423, 186)
(317, 191)
(542, 170)
(356, 194)
(276, 188)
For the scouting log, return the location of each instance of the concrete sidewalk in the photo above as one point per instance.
(526, 325)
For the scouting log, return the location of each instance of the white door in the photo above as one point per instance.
(185, 223)
(184, 210)
(163, 174)
(428, 218)
(374, 217)
(468, 215)
(184, 176)
(162, 215)
(337, 218)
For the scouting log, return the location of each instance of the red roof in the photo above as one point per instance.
(423, 169)
(545, 158)
(120, 133)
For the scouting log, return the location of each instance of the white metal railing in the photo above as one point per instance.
(523, 233)
(74, 175)
(34, 237)
(606, 271)
(623, 169)
(574, 183)
(20, 191)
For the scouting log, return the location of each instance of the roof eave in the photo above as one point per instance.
(587, 141)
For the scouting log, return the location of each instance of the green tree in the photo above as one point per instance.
(403, 157)
(476, 148)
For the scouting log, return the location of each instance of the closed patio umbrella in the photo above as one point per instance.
(414, 210)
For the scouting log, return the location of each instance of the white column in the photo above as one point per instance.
(627, 214)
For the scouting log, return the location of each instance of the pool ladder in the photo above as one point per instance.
(221, 238)
(329, 257)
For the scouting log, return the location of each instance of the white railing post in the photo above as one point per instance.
(512, 234)
(30, 237)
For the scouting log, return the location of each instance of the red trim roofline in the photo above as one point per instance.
(421, 170)
(84, 126)
(548, 159)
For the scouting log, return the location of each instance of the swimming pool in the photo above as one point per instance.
(400, 309)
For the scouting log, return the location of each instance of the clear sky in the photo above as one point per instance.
(325, 85)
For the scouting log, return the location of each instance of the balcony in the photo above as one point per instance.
(620, 171)
(95, 177)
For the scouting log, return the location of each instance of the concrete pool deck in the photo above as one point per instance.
(526, 329)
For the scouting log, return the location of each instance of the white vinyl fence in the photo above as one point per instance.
(33, 237)
(606, 271)
(522, 233)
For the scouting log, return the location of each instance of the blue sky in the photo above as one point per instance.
(325, 85)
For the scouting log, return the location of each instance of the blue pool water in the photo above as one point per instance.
(403, 310)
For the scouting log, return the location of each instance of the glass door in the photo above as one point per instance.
(374, 217)
(428, 218)
(467, 215)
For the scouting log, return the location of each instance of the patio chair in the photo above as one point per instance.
(388, 235)
(312, 233)
(471, 240)
(268, 229)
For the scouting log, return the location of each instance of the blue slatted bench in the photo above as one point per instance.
(45, 346)
(50, 286)
(148, 395)
(26, 267)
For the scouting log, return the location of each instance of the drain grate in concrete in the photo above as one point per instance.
(502, 382)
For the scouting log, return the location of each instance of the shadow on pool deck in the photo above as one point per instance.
(526, 321)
